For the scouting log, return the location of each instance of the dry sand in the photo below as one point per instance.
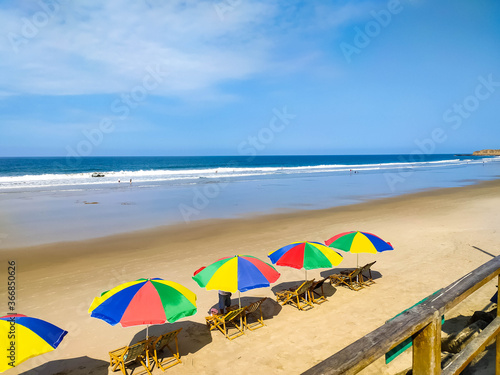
(439, 236)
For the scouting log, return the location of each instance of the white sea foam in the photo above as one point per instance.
(194, 175)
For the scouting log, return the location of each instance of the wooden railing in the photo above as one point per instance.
(423, 323)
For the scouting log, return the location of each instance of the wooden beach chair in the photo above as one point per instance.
(254, 308)
(210, 320)
(349, 270)
(316, 291)
(300, 297)
(352, 280)
(366, 274)
(222, 323)
(139, 352)
(158, 346)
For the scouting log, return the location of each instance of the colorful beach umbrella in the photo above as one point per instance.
(307, 255)
(358, 242)
(144, 301)
(236, 273)
(23, 337)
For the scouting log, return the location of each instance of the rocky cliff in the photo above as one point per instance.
(487, 152)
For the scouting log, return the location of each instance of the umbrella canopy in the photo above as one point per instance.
(307, 255)
(31, 337)
(144, 301)
(359, 242)
(236, 273)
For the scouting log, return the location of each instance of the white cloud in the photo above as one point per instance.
(56, 47)
(107, 47)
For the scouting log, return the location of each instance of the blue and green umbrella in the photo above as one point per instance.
(359, 242)
(236, 273)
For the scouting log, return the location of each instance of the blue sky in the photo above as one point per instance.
(230, 77)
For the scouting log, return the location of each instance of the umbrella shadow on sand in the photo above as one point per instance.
(270, 308)
(375, 274)
(192, 338)
(328, 289)
(72, 366)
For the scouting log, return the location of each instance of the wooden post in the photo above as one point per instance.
(497, 357)
(427, 349)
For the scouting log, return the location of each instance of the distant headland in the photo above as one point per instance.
(487, 152)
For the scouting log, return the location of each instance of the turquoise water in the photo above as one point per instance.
(74, 165)
(42, 202)
(67, 172)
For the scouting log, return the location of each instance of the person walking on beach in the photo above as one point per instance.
(224, 300)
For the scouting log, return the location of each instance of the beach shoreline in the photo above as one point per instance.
(78, 212)
(205, 226)
(436, 234)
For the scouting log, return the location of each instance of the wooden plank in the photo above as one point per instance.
(427, 349)
(497, 357)
(476, 346)
(361, 353)
(367, 349)
(465, 286)
(407, 343)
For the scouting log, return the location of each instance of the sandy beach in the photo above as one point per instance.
(438, 236)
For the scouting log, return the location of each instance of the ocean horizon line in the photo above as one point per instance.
(228, 155)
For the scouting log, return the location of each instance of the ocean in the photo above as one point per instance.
(54, 199)
(58, 172)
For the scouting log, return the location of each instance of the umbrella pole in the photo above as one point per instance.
(239, 302)
(357, 266)
(306, 280)
(147, 331)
